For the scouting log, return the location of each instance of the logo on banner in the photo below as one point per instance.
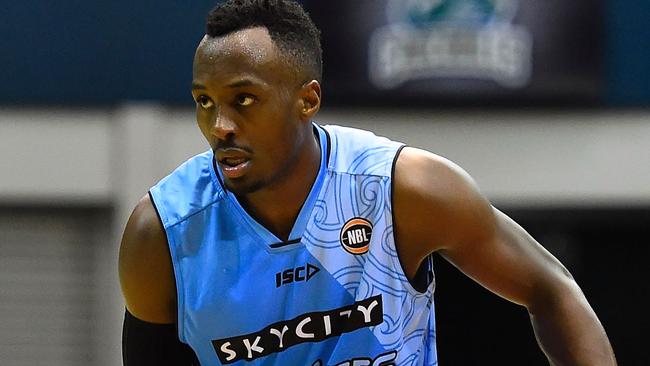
(468, 39)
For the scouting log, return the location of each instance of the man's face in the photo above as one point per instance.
(247, 107)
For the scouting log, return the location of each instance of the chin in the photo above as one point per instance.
(242, 187)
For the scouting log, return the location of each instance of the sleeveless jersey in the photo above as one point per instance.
(333, 294)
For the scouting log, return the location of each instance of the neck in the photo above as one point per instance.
(277, 206)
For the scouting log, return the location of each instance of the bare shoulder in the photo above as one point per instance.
(420, 171)
(436, 204)
(145, 268)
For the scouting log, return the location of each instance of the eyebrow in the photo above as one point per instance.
(235, 84)
(240, 83)
(196, 86)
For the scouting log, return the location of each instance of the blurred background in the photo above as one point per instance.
(545, 104)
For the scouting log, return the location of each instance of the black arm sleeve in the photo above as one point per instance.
(148, 344)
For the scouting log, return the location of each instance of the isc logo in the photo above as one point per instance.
(302, 273)
(355, 235)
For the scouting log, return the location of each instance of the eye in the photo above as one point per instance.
(244, 100)
(204, 101)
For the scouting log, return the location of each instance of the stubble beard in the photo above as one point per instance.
(243, 188)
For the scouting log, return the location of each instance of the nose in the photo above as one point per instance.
(223, 126)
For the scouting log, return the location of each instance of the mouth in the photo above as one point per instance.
(233, 165)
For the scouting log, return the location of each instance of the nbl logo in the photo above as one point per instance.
(355, 235)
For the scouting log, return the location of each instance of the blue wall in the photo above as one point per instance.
(78, 52)
(628, 54)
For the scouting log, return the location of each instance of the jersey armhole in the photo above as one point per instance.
(424, 276)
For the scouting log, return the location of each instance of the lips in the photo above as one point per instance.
(233, 162)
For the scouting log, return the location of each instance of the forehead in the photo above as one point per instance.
(245, 52)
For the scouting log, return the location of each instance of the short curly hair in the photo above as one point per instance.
(289, 26)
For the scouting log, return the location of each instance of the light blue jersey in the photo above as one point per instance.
(334, 294)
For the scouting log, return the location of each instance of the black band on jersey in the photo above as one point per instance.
(148, 344)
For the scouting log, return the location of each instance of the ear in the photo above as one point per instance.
(310, 96)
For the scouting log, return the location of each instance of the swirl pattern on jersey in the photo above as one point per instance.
(358, 185)
(225, 263)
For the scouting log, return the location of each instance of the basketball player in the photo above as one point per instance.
(291, 243)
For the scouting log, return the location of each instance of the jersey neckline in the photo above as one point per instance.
(271, 241)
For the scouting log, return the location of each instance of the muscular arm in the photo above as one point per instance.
(149, 289)
(492, 249)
